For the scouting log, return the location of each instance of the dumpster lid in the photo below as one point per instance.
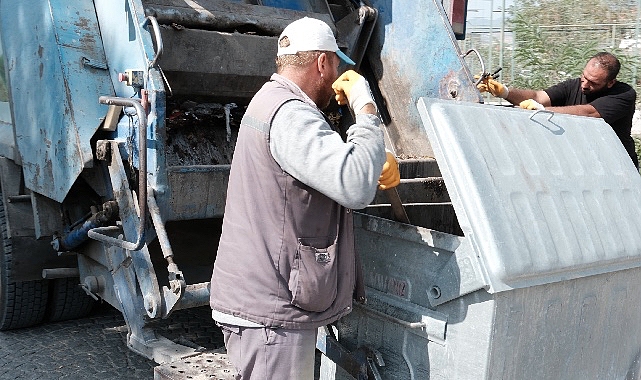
(543, 197)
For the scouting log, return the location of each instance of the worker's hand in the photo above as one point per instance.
(531, 104)
(390, 176)
(352, 88)
(492, 86)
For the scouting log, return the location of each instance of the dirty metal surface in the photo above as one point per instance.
(205, 133)
(210, 365)
(236, 16)
(62, 60)
(432, 67)
(95, 347)
(201, 133)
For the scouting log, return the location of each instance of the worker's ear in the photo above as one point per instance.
(611, 83)
(322, 61)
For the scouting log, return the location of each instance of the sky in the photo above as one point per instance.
(478, 11)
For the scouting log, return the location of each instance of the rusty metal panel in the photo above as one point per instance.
(544, 197)
(56, 71)
(200, 62)
(269, 19)
(208, 181)
(413, 53)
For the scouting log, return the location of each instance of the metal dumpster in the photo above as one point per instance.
(543, 284)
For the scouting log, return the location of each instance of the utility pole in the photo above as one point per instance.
(502, 41)
(637, 40)
(503, 34)
(489, 57)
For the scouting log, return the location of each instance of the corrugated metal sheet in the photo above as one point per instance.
(544, 197)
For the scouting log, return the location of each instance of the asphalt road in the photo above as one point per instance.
(95, 347)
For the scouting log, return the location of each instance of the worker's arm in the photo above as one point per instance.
(517, 95)
(562, 95)
(513, 95)
(352, 88)
(306, 147)
(580, 110)
(521, 97)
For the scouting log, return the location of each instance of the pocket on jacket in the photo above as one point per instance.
(313, 280)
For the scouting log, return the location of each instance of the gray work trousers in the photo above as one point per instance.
(265, 353)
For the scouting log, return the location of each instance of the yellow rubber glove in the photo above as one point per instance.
(492, 86)
(390, 176)
(352, 88)
(531, 104)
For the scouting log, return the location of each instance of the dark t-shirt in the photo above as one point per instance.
(615, 104)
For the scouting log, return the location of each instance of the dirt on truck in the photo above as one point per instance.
(512, 248)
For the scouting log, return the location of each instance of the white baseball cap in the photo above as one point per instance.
(309, 34)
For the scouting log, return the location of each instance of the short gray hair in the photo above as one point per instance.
(300, 59)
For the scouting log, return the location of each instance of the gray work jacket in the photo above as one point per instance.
(286, 254)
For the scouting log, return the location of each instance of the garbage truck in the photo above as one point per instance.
(511, 248)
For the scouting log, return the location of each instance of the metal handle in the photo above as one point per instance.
(398, 210)
(158, 38)
(411, 325)
(480, 60)
(98, 233)
(433, 324)
(542, 111)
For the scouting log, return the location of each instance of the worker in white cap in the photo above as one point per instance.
(286, 263)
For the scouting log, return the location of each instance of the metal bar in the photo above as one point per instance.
(98, 233)
(334, 351)
(20, 198)
(158, 38)
(159, 225)
(397, 205)
(411, 325)
(478, 55)
(413, 204)
(50, 274)
(195, 295)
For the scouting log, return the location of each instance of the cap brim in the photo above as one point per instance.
(345, 58)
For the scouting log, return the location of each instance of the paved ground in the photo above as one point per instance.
(94, 347)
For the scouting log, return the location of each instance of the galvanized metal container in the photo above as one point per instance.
(544, 282)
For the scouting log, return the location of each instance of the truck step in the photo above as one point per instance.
(208, 365)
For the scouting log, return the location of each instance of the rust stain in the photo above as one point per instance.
(83, 23)
(83, 29)
(449, 86)
(41, 66)
(456, 85)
